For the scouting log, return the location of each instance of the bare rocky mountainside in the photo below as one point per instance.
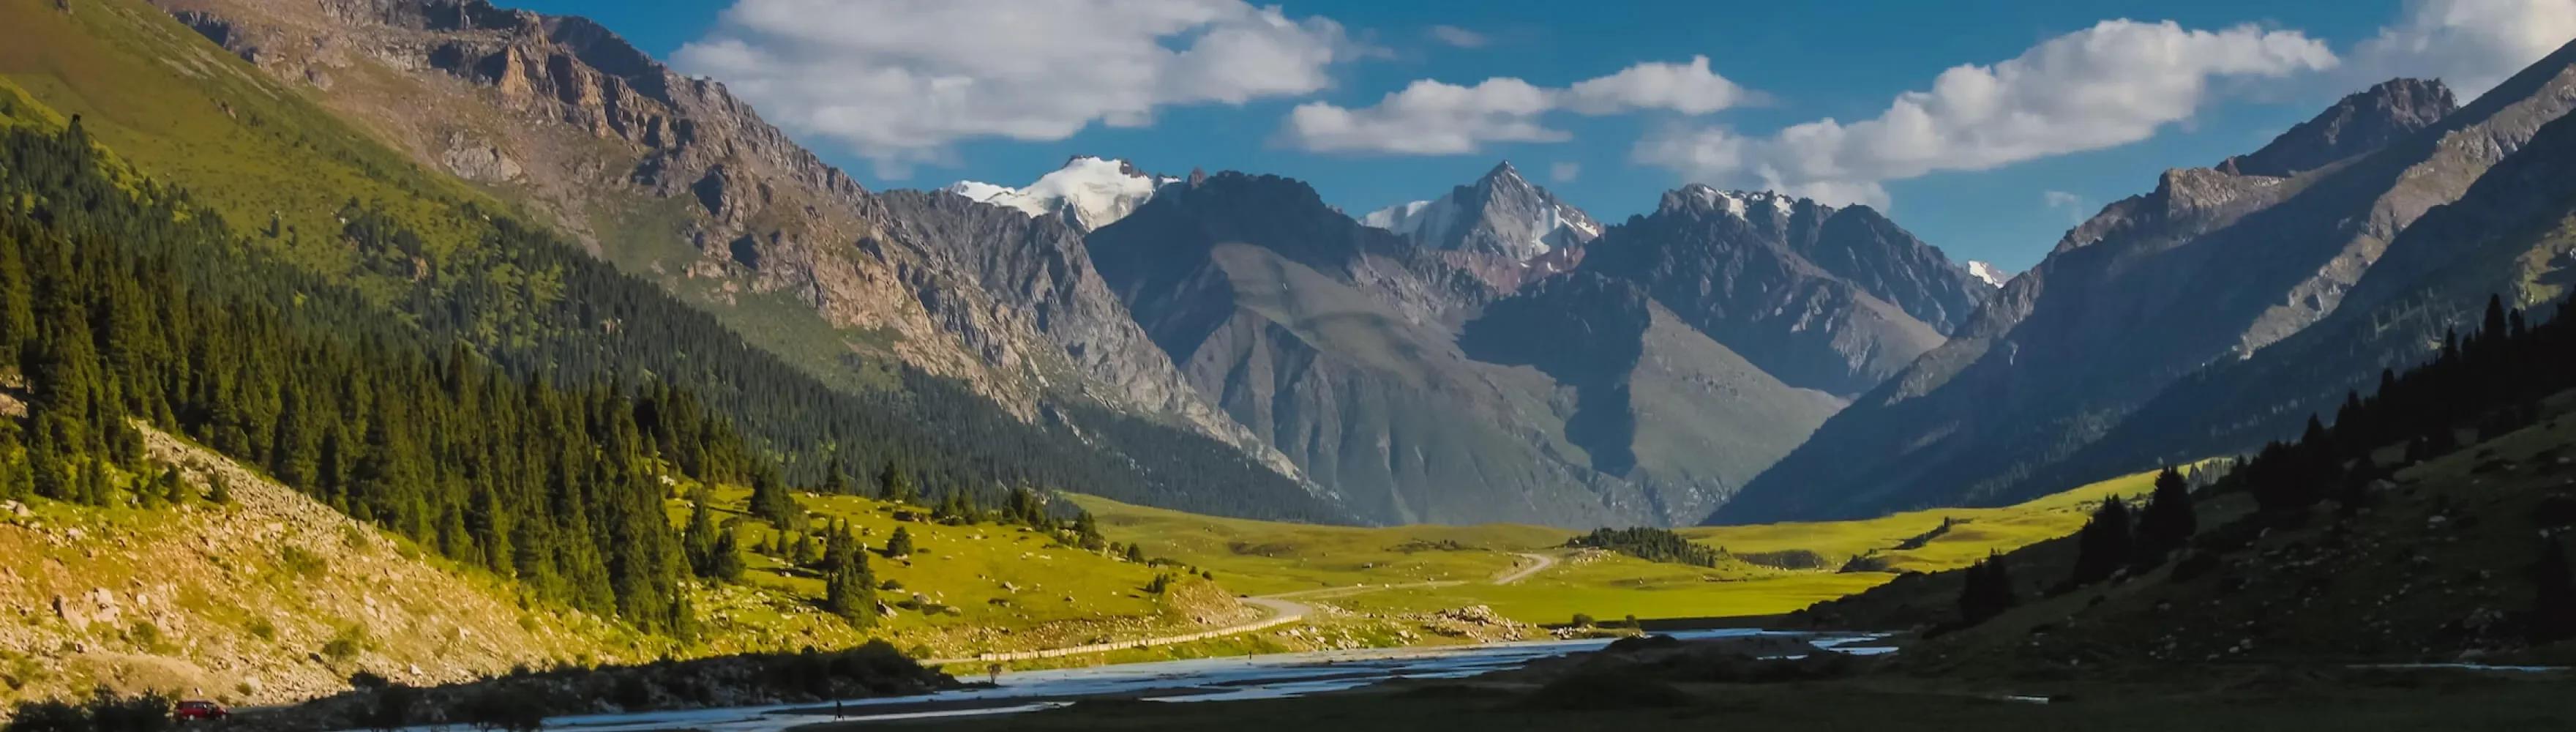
(1823, 298)
(677, 180)
(1419, 390)
(2198, 283)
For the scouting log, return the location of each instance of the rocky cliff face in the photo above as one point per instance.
(1501, 215)
(677, 180)
(1409, 385)
(2365, 121)
(1822, 298)
(2211, 266)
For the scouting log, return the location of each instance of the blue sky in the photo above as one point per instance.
(1791, 64)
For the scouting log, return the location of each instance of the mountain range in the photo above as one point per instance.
(2218, 311)
(1491, 353)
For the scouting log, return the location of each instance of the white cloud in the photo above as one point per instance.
(2108, 85)
(1427, 118)
(2070, 203)
(1686, 88)
(1455, 36)
(1432, 117)
(899, 81)
(1564, 172)
(2472, 45)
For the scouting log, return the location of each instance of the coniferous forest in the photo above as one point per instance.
(521, 408)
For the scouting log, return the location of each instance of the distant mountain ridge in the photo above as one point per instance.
(2212, 266)
(1833, 299)
(1417, 389)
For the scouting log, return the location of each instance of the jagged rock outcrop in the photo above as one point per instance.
(2210, 267)
(1823, 298)
(677, 180)
(2365, 121)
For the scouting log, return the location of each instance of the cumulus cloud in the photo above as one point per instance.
(1454, 36)
(1431, 117)
(2112, 84)
(1564, 172)
(899, 81)
(2472, 45)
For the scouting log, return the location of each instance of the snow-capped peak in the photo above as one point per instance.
(1989, 273)
(1500, 213)
(1090, 192)
(1740, 203)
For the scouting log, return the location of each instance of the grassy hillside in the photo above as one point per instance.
(271, 597)
(965, 589)
(1413, 569)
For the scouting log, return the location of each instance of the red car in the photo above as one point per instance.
(200, 711)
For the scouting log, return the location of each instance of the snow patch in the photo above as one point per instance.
(1089, 192)
(1990, 274)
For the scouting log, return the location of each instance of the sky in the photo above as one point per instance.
(1987, 128)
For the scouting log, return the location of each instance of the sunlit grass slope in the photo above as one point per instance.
(1429, 568)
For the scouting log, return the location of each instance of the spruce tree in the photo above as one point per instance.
(2168, 521)
(699, 541)
(2104, 546)
(770, 501)
(899, 545)
(1987, 591)
(894, 484)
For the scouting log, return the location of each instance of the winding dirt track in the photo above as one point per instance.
(1283, 610)
(1516, 575)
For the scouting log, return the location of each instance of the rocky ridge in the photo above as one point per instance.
(676, 179)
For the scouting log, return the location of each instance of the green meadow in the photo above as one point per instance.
(1770, 569)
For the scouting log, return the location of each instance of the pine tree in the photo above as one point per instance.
(699, 541)
(899, 545)
(220, 491)
(835, 482)
(894, 484)
(2168, 521)
(1987, 592)
(849, 590)
(2104, 546)
(726, 563)
(1135, 554)
(770, 501)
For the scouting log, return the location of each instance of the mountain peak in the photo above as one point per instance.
(2359, 123)
(1501, 213)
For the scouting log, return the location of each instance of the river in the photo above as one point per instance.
(1196, 680)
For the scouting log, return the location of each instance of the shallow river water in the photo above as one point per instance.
(1196, 680)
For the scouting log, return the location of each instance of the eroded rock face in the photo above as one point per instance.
(676, 179)
(1823, 298)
